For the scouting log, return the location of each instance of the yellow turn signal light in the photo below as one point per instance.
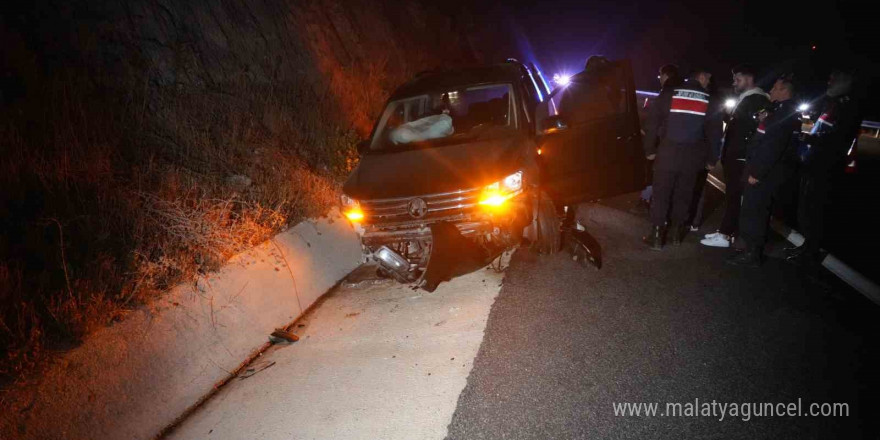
(495, 199)
(355, 214)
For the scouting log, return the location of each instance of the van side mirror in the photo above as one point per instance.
(363, 146)
(553, 124)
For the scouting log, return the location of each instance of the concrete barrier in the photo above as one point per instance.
(132, 379)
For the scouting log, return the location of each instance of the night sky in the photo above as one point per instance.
(774, 36)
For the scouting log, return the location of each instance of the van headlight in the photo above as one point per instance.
(497, 194)
(351, 209)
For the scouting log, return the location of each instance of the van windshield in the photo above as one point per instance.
(445, 117)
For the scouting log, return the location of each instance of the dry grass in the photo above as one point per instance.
(107, 209)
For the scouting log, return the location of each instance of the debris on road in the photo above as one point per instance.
(282, 336)
(254, 369)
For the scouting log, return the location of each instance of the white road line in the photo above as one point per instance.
(849, 275)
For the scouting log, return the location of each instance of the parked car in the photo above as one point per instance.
(465, 164)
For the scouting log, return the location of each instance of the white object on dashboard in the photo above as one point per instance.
(431, 127)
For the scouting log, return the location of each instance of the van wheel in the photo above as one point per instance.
(549, 236)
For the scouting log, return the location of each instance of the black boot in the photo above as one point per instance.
(795, 251)
(803, 252)
(750, 257)
(654, 239)
(677, 232)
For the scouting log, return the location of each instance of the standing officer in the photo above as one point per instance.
(828, 143)
(769, 162)
(669, 78)
(680, 130)
(740, 128)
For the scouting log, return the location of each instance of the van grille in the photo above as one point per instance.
(442, 206)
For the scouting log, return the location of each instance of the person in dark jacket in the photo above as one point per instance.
(588, 93)
(769, 162)
(740, 128)
(680, 130)
(824, 157)
(669, 77)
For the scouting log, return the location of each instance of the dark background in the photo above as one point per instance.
(774, 36)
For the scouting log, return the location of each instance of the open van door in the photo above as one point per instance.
(593, 148)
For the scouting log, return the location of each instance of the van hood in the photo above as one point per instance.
(433, 170)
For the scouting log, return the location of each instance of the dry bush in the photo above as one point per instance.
(109, 209)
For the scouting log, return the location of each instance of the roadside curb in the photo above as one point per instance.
(849, 275)
(135, 378)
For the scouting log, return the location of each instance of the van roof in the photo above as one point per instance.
(431, 81)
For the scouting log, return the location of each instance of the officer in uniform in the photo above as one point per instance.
(669, 78)
(823, 158)
(769, 162)
(681, 132)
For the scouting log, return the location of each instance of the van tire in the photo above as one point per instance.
(548, 224)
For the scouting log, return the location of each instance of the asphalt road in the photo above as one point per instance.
(546, 351)
(563, 344)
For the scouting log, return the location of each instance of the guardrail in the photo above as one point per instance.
(871, 124)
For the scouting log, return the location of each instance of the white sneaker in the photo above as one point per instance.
(718, 240)
(694, 228)
(712, 235)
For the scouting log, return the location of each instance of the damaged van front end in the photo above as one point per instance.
(449, 178)
(430, 238)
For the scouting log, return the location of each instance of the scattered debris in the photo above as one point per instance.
(281, 336)
(254, 369)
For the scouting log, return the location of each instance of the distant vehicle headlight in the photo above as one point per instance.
(562, 79)
(352, 209)
(497, 194)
